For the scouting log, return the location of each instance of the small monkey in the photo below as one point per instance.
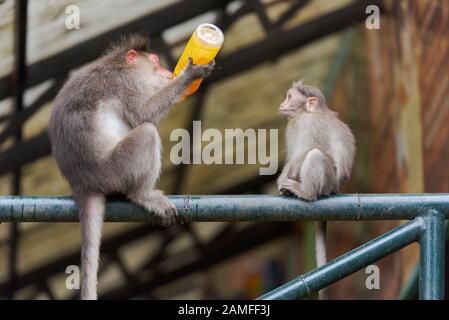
(104, 136)
(320, 152)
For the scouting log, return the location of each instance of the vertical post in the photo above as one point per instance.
(19, 78)
(431, 266)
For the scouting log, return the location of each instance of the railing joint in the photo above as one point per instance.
(359, 207)
(431, 264)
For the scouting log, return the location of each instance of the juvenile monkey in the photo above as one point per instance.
(103, 131)
(320, 152)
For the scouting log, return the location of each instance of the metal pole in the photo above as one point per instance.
(411, 287)
(236, 208)
(431, 267)
(19, 77)
(348, 263)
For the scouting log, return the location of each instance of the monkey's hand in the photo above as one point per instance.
(197, 71)
(278, 184)
(281, 184)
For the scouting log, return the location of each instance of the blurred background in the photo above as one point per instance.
(390, 84)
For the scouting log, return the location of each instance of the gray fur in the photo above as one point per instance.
(320, 153)
(320, 147)
(105, 140)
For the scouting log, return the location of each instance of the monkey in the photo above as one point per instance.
(320, 153)
(104, 136)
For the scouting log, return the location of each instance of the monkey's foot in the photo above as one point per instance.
(162, 207)
(293, 187)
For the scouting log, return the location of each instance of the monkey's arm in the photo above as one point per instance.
(160, 103)
(293, 166)
(282, 176)
(291, 169)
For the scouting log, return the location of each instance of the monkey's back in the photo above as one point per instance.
(342, 148)
(326, 132)
(72, 126)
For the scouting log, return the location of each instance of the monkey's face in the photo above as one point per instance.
(293, 104)
(156, 64)
(149, 65)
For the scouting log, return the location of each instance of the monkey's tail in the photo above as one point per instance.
(320, 251)
(91, 215)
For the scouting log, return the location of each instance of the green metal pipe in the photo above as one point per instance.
(411, 287)
(431, 266)
(237, 208)
(348, 263)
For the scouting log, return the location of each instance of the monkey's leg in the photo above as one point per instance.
(137, 161)
(317, 175)
(295, 165)
(309, 175)
(155, 201)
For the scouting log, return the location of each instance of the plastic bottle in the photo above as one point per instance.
(203, 46)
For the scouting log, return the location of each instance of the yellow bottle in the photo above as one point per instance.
(203, 46)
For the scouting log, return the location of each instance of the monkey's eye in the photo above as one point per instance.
(289, 96)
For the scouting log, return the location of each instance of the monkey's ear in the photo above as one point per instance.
(311, 104)
(131, 57)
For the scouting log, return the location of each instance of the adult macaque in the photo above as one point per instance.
(320, 152)
(105, 140)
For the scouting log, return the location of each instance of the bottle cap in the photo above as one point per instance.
(209, 35)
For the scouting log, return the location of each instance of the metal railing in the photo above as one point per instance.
(427, 214)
